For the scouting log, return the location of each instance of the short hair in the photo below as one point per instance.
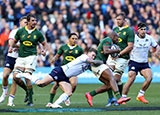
(29, 17)
(73, 34)
(141, 25)
(22, 18)
(92, 50)
(121, 14)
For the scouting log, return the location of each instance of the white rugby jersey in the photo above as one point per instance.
(77, 66)
(14, 54)
(141, 48)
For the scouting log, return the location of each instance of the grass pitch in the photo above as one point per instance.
(79, 105)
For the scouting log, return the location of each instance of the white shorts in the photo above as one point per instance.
(120, 64)
(99, 69)
(27, 62)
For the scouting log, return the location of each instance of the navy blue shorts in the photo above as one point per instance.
(137, 67)
(9, 62)
(58, 75)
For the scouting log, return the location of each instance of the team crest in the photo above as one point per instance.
(65, 51)
(34, 37)
(119, 32)
(23, 36)
(124, 33)
(76, 51)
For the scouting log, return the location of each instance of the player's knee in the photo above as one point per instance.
(5, 76)
(41, 85)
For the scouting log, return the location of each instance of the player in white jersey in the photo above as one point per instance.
(9, 64)
(139, 62)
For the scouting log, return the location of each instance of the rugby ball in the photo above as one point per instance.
(114, 46)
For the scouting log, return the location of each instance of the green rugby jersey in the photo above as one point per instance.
(125, 35)
(100, 53)
(68, 53)
(28, 42)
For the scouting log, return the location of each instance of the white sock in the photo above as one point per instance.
(62, 98)
(141, 93)
(5, 89)
(124, 96)
(11, 98)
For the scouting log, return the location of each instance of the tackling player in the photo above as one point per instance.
(69, 51)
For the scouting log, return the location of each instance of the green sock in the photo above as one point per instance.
(51, 97)
(93, 93)
(117, 94)
(30, 93)
(120, 87)
(110, 94)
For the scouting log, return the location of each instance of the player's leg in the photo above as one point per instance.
(67, 89)
(128, 84)
(147, 74)
(52, 93)
(12, 94)
(6, 73)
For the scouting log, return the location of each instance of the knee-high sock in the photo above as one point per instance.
(62, 98)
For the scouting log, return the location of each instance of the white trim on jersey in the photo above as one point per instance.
(12, 34)
(141, 48)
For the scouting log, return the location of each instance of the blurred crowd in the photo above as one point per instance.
(91, 19)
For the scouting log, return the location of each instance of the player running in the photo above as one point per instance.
(9, 66)
(139, 62)
(29, 38)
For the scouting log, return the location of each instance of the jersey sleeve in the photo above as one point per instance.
(12, 34)
(82, 52)
(153, 43)
(130, 36)
(107, 42)
(41, 37)
(60, 51)
(84, 57)
(17, 37)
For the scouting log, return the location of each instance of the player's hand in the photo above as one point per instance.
(10, 49)
(43, 52)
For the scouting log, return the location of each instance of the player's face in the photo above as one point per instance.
(120, 21)
(115, 38)
(73, 40)
(32, 22)
(142, 32)
(23, 23)
(92, 55)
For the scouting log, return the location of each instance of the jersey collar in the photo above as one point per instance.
(71, 47)
(121, 28)
(27, 28)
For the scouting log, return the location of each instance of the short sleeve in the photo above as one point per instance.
(153, 42)
(130, 36)
(60, 51)
(41, 37)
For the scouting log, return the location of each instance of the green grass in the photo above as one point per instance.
(78, 100)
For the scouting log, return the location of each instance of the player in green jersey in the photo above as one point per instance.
(69, 51)
(29, 38)
(118, 64)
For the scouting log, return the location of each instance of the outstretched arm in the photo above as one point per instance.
(12, 44)
(95, 62)
(43, 47)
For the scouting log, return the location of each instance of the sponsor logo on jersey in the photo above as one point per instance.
(27, 43)
(76, 51)
(34, 37)
(119, 40)
(124, 33)
(69, 58)
(70, 52)
(119, 32)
